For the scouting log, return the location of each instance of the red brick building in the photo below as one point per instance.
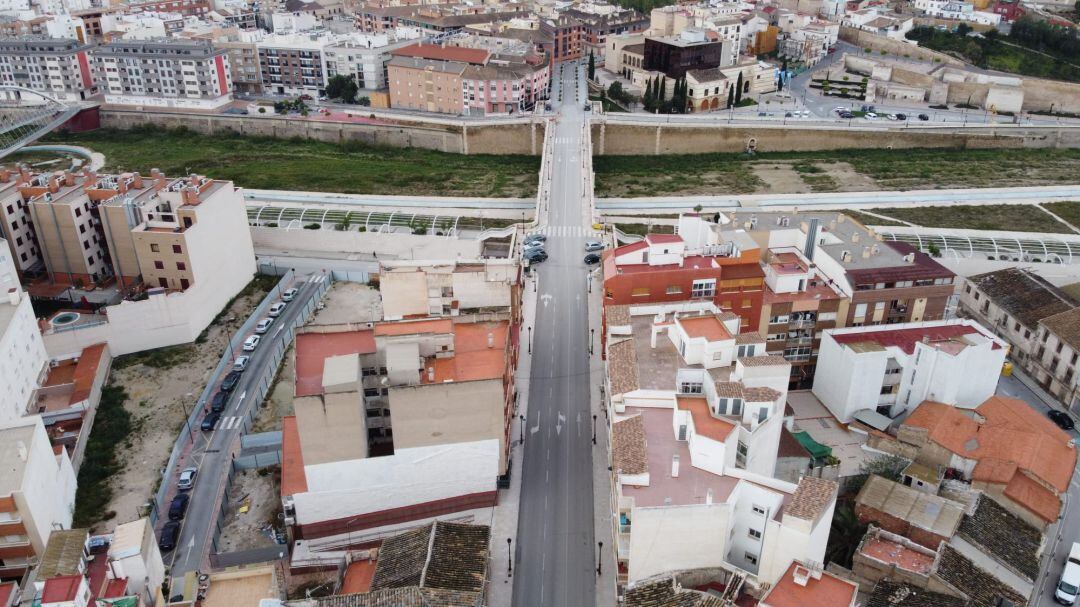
(664, 268)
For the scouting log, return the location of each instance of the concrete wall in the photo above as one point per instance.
(618, 138)
(864, 39)
(521, 136)
(393, 246)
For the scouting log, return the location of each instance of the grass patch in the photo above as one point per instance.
(158, 358)
(1069, 211)
(299, 164)
(641, 229)
(910, 169)
(111, 432)
(1004, 217)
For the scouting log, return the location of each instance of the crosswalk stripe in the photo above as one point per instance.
(569, 232)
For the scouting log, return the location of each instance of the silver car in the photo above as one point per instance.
(187, 478)
(594, 245)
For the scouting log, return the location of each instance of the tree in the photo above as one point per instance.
(342, 87)
(963, 29)
(845, 534)
(780, 82)
(365, 101)
(663, 90)
(886, 466)
(731, 96)
(592, 66)
(738, 89)
(647, 100)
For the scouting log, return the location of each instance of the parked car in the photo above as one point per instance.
(535, 256)
(219, 402)
(178, 507)
(240, 363)
(169, 534)
(594, 245)
(277, 309)
(536, 238)
(789, 115)
(210, 421)
(230, 381)
(1061, 418)
(187, 478)
(870, 116)
(251, 343)
(892, 117)
(923, 117)
(847, 115)
(1068, 586)
(289, 294)
(533, 245)
(592, 258)
(263, 326)
(901, 116)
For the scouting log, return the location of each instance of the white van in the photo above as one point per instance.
(1069, 585)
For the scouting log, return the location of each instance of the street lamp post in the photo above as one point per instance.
(521, 418)
(530, 340)
(592, 336)
(510, 555)
(600, 560)
(594, 429)
(187, 419)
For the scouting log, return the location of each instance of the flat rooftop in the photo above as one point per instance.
(812, 417)
(947, 338)
(234, 589)
(479, 353)
(12, 465)
(656, 367)
(312, 350)
(895, 553)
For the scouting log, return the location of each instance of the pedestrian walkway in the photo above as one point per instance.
(569, 232)
(602, 487)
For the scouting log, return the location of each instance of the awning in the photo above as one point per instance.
(816, 449)
(873, 419)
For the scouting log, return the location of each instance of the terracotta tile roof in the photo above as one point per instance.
(411, 596)
(761, 395)
(662, 238)
(1004, 535)
(789, 447)
(293, 477)
(437, 52)
(933, 513)
(752, 337)
(704, 423)
(662, 593)
(905, 339)
(1024, 295)
(1014, 437)
(729, 389)
(446, 556)
(763, 361)
(1066, 326)
(891, 594)
(61, 589)
(85, 372)
(727, 315)
(982, 588)
(622, 367)
(407, 327)
(923, 267)
(617, 315)
(628, 446)
(811, 498)
(826, 591)
(708, 327)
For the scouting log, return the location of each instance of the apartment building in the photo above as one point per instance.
(364, 57)
(1035, 318)
(21, 347)
(243, 53)
(164, 73)
(416, 289)
(69, 231)
(187, 8)
(295, 63)
(702, 262)
(16, 224)
(891, 370)
(598, 21)
(37, 495)
(59, 68)
(562, 38)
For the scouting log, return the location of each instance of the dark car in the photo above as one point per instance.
(169, 534)
(1061, 418)
(219, 402)
(847, 115)
(536, 238)
(210, 421)
(923, 117)
(178, 507)
(901, 116)
(535, 256)
(592, 258)
(230, 381)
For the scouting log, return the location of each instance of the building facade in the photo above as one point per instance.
(58, 68)
(174, 73)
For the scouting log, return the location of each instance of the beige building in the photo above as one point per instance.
(411, 289)
(426, 85)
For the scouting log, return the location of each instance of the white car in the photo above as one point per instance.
(277, 309)
(263, 325)
(240, 363)
(289, 294)
(251, 343)
(892, 117)
(871, 116)
(1069, 584)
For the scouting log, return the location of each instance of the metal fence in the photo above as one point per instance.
(158, 504)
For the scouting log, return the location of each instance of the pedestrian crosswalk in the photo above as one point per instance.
(559, 140)
(230, 422)
(569, 232)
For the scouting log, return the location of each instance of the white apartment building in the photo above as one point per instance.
(16, 225)
(59, 68)
(164, 73)
(134, 554)
(954, 9)
(37, 494)
(364, 56)
(295, 63)
(22, 351)
(889, 370)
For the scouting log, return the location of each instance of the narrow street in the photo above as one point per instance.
(556, 553)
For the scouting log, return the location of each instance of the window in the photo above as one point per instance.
(703, 288)
(674, 290)
(86, 245)
(159, 265)
(78, 212)
(750, 558)
(746, 303)
(154, 248)
(754, 534)
(639, 292)
(184, 283)
(82, 228)
(689, 387)
(176, 248)
(736, 409)
(760, 510)
(181, 265)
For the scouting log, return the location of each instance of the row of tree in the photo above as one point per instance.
(655, 95)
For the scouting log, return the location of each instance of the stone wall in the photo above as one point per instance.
(504, 137)
(619, 138)
(864, 39)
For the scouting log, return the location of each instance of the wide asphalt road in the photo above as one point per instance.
(212, 454)
(556, 551)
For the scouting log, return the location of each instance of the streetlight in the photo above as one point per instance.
(600, 560)
(187, 417)
(530, 340)
(522, 426)
(594, 429)
(510, 555)
(592, 336)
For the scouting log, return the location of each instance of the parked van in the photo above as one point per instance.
(1069, 585)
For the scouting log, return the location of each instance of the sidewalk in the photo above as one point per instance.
(606, 580)
(504, 523)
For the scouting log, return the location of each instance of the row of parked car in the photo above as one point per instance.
(170, 532)
(533, 250)
(870, 114)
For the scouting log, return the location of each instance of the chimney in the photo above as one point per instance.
(23, 453)
(69, 178)
(122, 183)
(675, 466)
(24, 170)
(5, 174)
(491, 340)
(190, 195)
(54, 184)
(811, 239)
(840, 218)
(14, 295)
(155, 173)
(801, 575)
(137, 183)
(431, 374)
(89, 179)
